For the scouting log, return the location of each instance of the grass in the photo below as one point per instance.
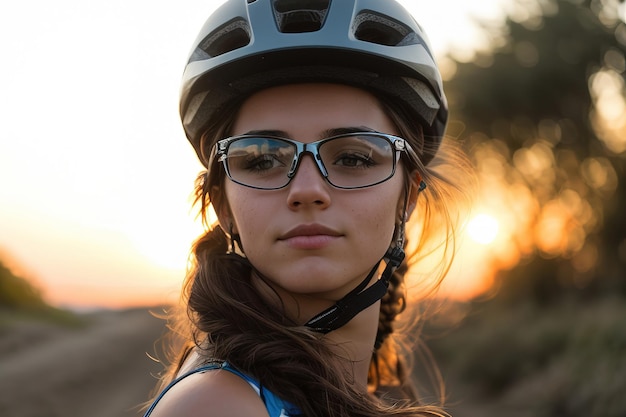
(566, 359)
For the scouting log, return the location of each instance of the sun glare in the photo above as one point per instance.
(167, 246)
(483, 229)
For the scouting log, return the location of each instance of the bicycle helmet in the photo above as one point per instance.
(248, 45)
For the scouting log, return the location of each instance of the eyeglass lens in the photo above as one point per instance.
(352, 161)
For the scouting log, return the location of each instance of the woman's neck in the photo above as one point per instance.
(355, 342)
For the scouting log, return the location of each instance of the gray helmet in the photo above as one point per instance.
(248, 45)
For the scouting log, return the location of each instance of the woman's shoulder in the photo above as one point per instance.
(211, 393)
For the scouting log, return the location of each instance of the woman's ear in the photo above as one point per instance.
(416, 186)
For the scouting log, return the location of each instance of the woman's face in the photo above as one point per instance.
(310, 239)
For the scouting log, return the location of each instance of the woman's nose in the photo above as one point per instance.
(308, 187)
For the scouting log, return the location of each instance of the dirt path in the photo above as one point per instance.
(102, 370)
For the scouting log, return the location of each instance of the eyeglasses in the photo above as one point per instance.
(348, 161)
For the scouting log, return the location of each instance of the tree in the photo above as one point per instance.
(545, 123)
(16, 293)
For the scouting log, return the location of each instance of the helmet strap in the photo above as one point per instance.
(234, 238)
(359, 298)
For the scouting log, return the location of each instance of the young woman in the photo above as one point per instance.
(319, 122)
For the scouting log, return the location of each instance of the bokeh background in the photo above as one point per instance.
(95, 219)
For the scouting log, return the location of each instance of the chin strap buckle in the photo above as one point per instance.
(394, 257)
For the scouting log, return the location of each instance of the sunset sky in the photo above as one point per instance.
(95, 171)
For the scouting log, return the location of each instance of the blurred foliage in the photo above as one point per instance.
(558, 360)
(20, 299)
(543, 115)
(16, 293)
(544, 120)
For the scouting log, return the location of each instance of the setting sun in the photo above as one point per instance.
(483, 229)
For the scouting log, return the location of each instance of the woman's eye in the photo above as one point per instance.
(263, 163)
(355, 160)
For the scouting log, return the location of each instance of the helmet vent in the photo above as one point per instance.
(381, 30)
(293, 16)
(229, 37)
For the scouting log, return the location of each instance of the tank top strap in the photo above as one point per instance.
(275, 406)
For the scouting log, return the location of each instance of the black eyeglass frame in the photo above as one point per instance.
(398, 145)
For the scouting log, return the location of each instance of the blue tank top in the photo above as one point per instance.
(274, 405)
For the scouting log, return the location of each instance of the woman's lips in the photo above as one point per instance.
(310, 237)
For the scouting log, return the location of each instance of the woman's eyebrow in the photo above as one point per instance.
(345, 130)
(268, 132)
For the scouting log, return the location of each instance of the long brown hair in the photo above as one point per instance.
(227, 320)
